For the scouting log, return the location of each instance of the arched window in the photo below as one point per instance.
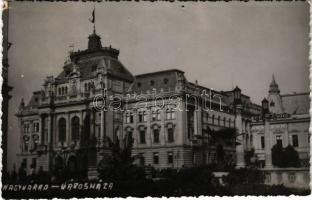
(62, 130)
(170, 132)
(75, 128)
(156, 135)
(128, 138)
(63, 90)
(86, 87)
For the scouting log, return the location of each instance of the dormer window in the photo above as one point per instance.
(93, 68)
(152, 82)
(166, 80)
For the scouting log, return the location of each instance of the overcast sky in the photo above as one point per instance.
(218, 44)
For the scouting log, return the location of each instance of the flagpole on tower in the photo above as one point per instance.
(92, 20)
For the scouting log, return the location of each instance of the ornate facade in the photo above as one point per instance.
(62, 126)
(285, 122)
(96, 101)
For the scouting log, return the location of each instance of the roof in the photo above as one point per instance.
(166, 80)
(296, 103)
(88, 67)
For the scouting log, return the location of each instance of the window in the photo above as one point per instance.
(295, 142)
(170, 135)
(219, 121)
(129, 139)
(26, 128)
(33, 163)
(142, 159)
(75, 128)
(152, 82)
(224, 121)
(247, 138)
(62, 130)
(229, 122)
(142, 116)
(155, 158)
(292, 177)
(156, 135)
(166, 80)
(262, 142)
(129, 117)
(26, 143)
(279, 140)
(170, 158)
(155, 114)
(94, 68)
(213, 117)
(170, 114)
(142, 136)
(279, 177)
(139, 84)
(86, 87)
(36, 127)
(24, 162)
(272, 104)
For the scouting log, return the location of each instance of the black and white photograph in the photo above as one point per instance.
(155, 99)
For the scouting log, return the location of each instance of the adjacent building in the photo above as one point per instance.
(286, 122)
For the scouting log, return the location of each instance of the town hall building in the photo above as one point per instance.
(170, 121)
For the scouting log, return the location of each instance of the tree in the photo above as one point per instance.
(285, 157)
(291, 157)
(119, 165)
(248, 157)
(277, 155)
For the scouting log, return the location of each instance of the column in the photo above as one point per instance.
(67, 143)
(267, 143)
(195, 122)
(102, 131)
(41, 129)
(240, 159)
(49, 130)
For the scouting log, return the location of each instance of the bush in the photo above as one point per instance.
(285, 157)
(244, 176)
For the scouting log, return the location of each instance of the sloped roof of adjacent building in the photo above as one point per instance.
(296, 103)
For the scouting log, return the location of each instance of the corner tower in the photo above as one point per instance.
(274, 98)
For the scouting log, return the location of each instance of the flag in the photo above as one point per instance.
(92, 20)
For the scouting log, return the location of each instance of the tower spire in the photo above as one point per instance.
(274, 86)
